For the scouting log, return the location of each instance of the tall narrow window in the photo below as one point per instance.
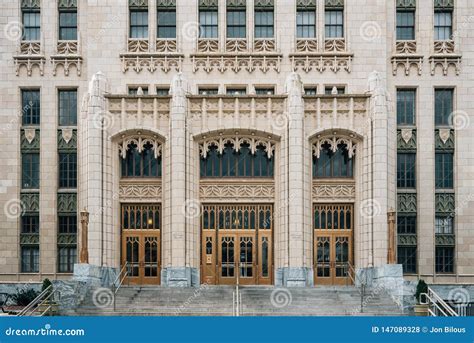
(67, 170)
(236, 22)
(208, 21)
(406, 99)
(444, 259)
(30, 107)
(30, 170)
(139, 23)
(332, 164)
(444, 225)
(444, 170)
(67, 107)
(406, 165)
(166, 17)
(29, 243)
(264, 21)
(306, 21)
(443, 106)
(406, 256)
(443, 27)
(67, 21)
(406, 23)
(31, 23)
(67, 238)
(334, 22)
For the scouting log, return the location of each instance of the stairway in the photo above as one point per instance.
(256, 301)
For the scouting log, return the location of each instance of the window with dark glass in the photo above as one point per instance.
(30, 224)
(443, 106)
(236, 91)
(310, 90)
(208, 91)
(333, 164)
(444, 259)
(67, 249)
(67, 170)
(208, 22)
(306, 22)
(264, 21)
(67, 224)
(444, 225)
(30, 258)
(31, 25)
(406, 99)
(134, 90)
(406, 224)
(236, 22)
(407, 258)
(68, 24)
(30, 107)
(406, 167)
(162, 91)
(443, 24)
(340, 90)
(67, 256)
(166, 17)
(67, 107)
(139, 23)
(444, 170)
(405, 23)
(264, 90)
(141, 164)
(334, 23)
(30, 170)
(240, 163)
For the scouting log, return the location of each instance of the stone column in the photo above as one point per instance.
(177, 273)
(296, 273)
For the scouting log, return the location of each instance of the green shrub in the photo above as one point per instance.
(422, 287)
(24, 296)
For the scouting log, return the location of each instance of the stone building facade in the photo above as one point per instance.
(221, 141)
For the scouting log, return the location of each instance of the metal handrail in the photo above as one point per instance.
(351, 272)
(436, 305)
(43, 298)
(119, 280)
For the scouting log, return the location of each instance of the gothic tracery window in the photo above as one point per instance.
(140, 164)
(332, 164)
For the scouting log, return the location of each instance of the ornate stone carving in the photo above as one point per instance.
(445, 203)
(263, 3)
(237, 190)
(140, 142)
(30, 139)
(334, 141)
(67, 239)
(445, 239)
(407, 240)
(405, 47)
(151, 63)
(407, 63)
(138, 3)
(67, 4)
(307, 45)
(138, 45)
(209, 3)
(208, 45)
(67, 47)
(264, 45)
(66, 63)
(67, 140)
(140, 190)
(321, 63)
(334, 3)
(444, 47)
(29, 64)
(308, 4)
(236, 45)
(30, 4)
(406, 139)
(444, 139)
(335, 45)
(236, 141)
(29, 202)
(67, 202)
(30, 48)
(444, 4)
(445, 62)
(336, 191)
(236, 3)
(236, 63)
(29, 239)
(166, 3)
(166, 45)
(406, 202)
(406, 3)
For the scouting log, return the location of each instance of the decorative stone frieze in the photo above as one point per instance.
(140, 142)
(333, 3)
(126, 108)
(406, 47)
(407, 240)
(243, 190)
(30, 202)
(149, 190)
(351, 110)
(138, 3)
(406, 139)
(67, 4)
(406, 202)
(29, 239)
(444, 139)
(444, 47)
(151, 63)
(445, 239)
(334, 143)
(236, 141)
(67, 239)
(335, 45)
(321, 63)
(406, 56)
(29, 56)
(264, 45)
(166, 3)
(209, 3)
(340, 191)
(263, 3)
(307, 45)
(236, 3)
(138, 45)
(67, 139)
(406, 4)
(30, 4)
(166, 45)
(236, 45)
(30, 140)
(445, 62)
(443, 4)
(208, 45)
(223, 63)
(308, 4)
(445, 203)
(67, 202)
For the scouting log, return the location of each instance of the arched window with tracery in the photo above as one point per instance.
(140, 159)
(333, 159)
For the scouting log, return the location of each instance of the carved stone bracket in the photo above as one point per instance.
(236, 63)
(236, 141)
(321, 62)
(140, 142)
(334, 141)
(341, 191)
(151, 62)
(237, 190)
(66, 63)
(445, 62)
(407, 63)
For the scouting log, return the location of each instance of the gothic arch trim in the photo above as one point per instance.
(334, 138)
(140, 138)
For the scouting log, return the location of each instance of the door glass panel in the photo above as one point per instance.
(265, 257)
(132, 255)
(227, 256)
(246, 257)
(151, 256)
(323, 257)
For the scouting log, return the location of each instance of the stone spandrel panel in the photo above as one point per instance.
(67, 139)
(67, 203)
(407, 202)
(445, 203)
(30, 140)
(406, 140)
(30, 202)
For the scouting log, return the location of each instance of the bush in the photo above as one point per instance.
(46, 284)
(24, 296)
(422, 287)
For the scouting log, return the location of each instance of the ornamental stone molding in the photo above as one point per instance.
(140, 190)
(127, 108)
(307, 45)
(405, 47)
(445, 63)
(334, 3)
(445, 239)
(29, 57)
(444, 47)
(223, 63)
(263, 3)
(445, 203)
(335, 45)
(407, 239)
(138, 3)
(333, 191)
(30, 4)
(209, 3)
(29, 202)
(29, 239)
(308, 4)
(67, 239)
(67, 139)
(67, 202)
(264, 45)
(30, 139)
(140, 142)
(444, 139)
(166, 46)
(406, 139)
(334, 143)
(443, 4)
(208, 45)
(166, 3)
(242, 190)
(151, 63)
(406, 4)
(236, 141)
(236, 3)
(406, 202)
(67, 4)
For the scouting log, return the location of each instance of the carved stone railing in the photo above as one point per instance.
(335, 45)
(138, 45)
(30, 48)
(264, 45)
(444, 56)
(29, 55)
(307, 45)
(405, 47)
(405, 56)
(444, 47)
(67, 55)
(166, 46)
(238, 189)
(333, 190)
(208, 46)
(236, 45)
(68, 47)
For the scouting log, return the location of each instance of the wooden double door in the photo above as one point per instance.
(237, 244)
(333, 243)
(141, 243)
